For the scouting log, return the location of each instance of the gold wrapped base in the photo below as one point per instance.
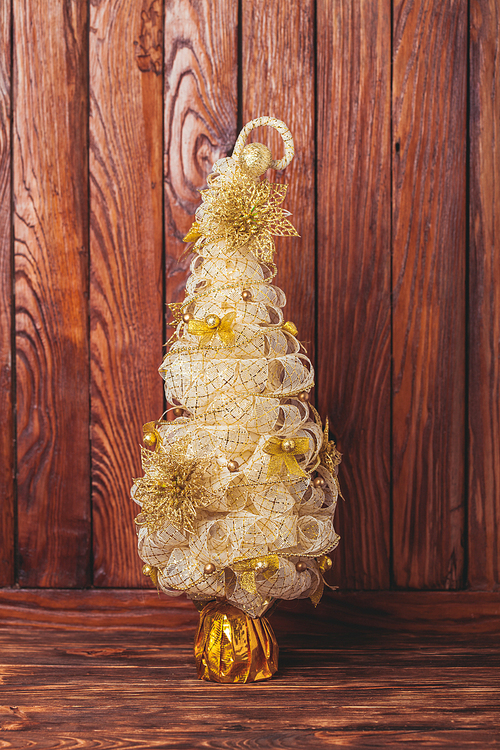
(232, 647)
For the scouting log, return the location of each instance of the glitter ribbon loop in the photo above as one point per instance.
(271, 122)
(280, 456)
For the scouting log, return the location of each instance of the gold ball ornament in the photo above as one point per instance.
(288, 445)
(304, 396)
(325, 563)
(212, 321)
(246, 295)
(255, 158)
(178, 411)
(318, 482)
(300, 566)
(149, 439)
(209, 569)
(187, 317)
(232, 466)
(147, 570)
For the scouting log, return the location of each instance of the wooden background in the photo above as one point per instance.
(111, 115)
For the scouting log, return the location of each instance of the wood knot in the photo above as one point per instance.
(149, 48)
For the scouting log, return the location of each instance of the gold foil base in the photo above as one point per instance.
(231, 647)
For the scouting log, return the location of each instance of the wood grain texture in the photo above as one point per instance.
(281, 83)
(200, 115)
(51, 292)
(7, 489)
(429, 211)
(126, 274)
(133, 689)
(353, 287)
(235, 738)
(340, 613)
(484, 299)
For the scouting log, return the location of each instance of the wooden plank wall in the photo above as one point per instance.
(354, 302)
(429, 114)
(484, 298)
(111, 115)
(7, 447)
(50, 224)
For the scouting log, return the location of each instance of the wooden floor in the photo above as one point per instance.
(137, 689)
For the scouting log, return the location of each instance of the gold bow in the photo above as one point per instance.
(223, 328)
(279, 456)
(194, 233)
(290, 327)
(246, 570)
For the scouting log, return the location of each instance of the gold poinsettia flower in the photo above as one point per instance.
(242, 211)
(173, 487)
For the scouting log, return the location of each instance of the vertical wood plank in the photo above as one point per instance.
(51, 288)
(7, 432)
(353, 236)
(126, 267)
(484, 300)
(281, 83)
(201, 72)
(429, 129)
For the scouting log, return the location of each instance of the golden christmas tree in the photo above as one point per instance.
(240, 489)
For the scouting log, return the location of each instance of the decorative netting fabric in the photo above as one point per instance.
(239, 394)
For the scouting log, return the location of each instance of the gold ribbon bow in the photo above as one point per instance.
(290, 327)
(206, 329)
(194, 233)
(246, 570)
(284, 452)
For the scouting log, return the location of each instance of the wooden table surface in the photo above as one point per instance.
(116, 688)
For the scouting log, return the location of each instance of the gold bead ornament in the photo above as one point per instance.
(178, 411)
(255, 158)
(147, 570)
(288, 445)
(304, 396)
(318, 482)
(187, 317)
(209, 569)
(212, 321)
(246, 295)
(149, 439)
(232, 466)
(325, 563)
(300, 566)
(261, 566)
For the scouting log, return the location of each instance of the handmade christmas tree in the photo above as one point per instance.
(239, 490)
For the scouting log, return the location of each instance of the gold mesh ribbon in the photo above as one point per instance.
(280, 457)
(231, 647)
